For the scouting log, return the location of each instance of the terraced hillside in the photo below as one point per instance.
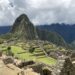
(22, 51)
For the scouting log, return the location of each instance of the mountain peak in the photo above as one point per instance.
(23, 17)
(23, 27)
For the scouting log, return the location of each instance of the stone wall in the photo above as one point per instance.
(68, 68)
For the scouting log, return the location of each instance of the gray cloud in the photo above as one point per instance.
(39, 11)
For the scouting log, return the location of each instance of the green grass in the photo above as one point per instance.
(16, 49)
(50, 61)
(31, 56)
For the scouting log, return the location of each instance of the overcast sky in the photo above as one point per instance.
(39, 11)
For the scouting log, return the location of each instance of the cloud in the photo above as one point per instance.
(39, 11)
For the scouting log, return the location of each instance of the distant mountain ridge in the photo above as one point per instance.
(5, 29)
(65, 30)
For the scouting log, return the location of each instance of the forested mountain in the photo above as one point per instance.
(67, 31)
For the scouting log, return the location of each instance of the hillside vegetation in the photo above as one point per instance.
(21, 51)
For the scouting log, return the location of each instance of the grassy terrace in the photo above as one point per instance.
(37, 55)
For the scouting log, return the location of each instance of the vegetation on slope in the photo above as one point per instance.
(21, 51)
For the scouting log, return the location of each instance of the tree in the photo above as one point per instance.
(9, 52)
(31, 50)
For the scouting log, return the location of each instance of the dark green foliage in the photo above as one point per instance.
(52, 37)
(32, 49)
(67, 31)
(23, 28)
(9, 52)
(9, 48)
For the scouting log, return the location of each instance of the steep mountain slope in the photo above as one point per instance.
(23, 28)
(52, 37)
(67, 31)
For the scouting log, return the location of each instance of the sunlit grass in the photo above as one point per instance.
(30, 56)
(25, 55)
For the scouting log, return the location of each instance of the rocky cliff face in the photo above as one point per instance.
(23, 27)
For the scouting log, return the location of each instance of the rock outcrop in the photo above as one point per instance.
(63, 66)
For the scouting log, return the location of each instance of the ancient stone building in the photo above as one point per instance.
(63, 67)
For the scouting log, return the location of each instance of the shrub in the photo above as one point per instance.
(32, 49)
(9, 52)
